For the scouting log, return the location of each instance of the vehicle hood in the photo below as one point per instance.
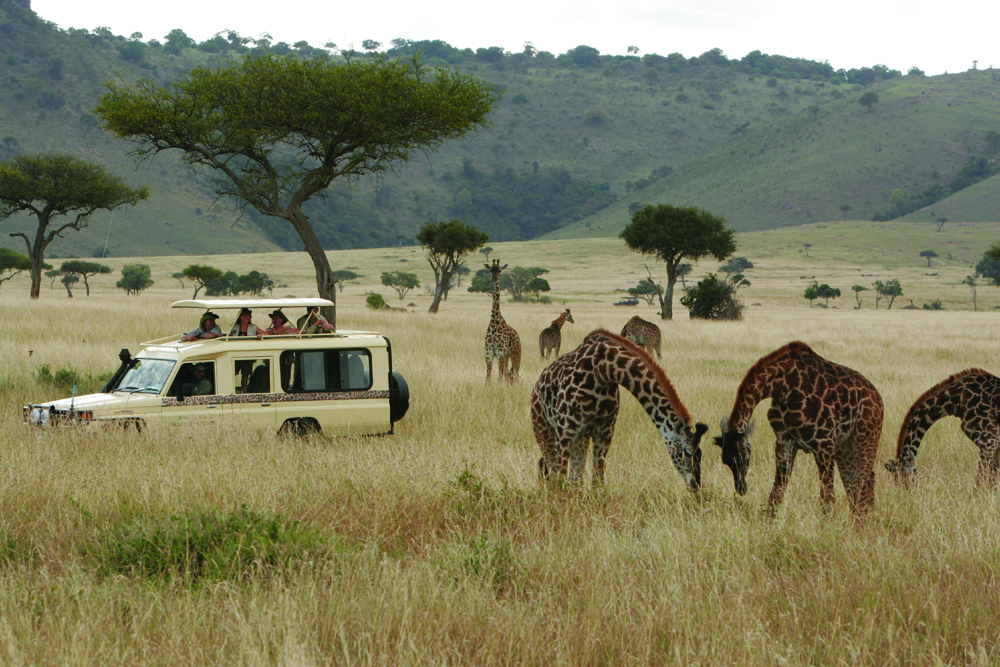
(86, 402)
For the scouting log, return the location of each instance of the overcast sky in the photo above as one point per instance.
(852, 33)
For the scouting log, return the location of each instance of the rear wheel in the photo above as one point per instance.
(299, 428)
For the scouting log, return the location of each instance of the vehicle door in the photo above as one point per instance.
(208, 403)
(253, 380)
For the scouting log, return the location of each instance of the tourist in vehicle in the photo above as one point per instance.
(207, 328)
(201, 386)
(312, 322)
(279, 325)
(243, 326)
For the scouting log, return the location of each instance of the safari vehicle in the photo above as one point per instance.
(336, 383)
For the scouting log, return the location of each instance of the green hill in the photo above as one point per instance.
(578, 140)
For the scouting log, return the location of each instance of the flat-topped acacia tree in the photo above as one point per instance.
(277, 130)
(61, 192)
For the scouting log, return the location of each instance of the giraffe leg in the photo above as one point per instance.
(784, 462)
(825, 465)
(575, 454)
(602, 442)
(489, 365)
(988, 452)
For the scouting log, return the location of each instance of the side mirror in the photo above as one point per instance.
(187, 389)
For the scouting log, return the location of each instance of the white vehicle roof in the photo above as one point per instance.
(209, 304)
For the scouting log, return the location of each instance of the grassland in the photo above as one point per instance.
(438, 546)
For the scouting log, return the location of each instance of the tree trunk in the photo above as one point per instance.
(36, 276)
(667, 311)
(69, 290)
(325, 285)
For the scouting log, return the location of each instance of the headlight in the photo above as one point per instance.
(39, 415)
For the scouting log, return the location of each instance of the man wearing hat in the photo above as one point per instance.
(312, 322)
(201, 386)
(206, 328)
(279, 325)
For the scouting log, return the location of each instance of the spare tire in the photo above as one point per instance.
(399, 396)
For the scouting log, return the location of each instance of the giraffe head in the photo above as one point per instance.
(736, 452)
(495, 269)
(685, 452)
(901, 474)
(569, 318)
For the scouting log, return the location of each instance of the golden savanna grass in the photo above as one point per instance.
(442, 547)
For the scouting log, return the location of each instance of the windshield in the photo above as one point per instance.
(146, 376)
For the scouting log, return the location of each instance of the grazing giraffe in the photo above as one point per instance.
(502, 342)
(551, 336)
(817, 406)
(576, 400)
(974, 397)
(644, 334)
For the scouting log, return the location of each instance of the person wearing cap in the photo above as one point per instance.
(243, 326)
(312, 322)
(201, 386)
(279, 325)
(206, 328)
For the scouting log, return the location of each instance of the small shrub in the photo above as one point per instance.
(375, 301)
(202, 545)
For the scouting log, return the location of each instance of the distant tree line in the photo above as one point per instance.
(974, 171)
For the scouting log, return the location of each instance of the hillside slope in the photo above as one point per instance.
(577, 142)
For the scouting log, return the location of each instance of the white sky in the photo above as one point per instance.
(852, 33)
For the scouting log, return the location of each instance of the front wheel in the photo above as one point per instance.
(299, 428)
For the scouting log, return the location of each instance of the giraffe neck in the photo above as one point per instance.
(761, 382)
(655, 394)
(496, 319)
(558, 323)
(943, 400)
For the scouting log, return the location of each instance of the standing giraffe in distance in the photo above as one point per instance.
(502, 342)
(817, 406)
(644, 334)
(974, 397)
(551, 336)
(576, 400)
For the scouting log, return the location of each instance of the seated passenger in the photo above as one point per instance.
(201, 386)
(279, 325)
(244, 327)
(206, 328)
(312, 322)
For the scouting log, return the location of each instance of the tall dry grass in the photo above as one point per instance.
(437, 545)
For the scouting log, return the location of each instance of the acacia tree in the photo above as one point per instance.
(889, 288)
(135, 278)
(278, 130)
(858, 289)
(201, 275)
(401, 281)
(84, 269)
(973, 284)
(340, 276)
(12, 263)
(673, 234)
(929, 254)
(447, 245)
(68, 281)
(48, 186)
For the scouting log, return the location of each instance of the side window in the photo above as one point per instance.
(252, 376)
(325, 370)
(199, 374)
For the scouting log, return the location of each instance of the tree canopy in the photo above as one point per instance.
(48, 186)
(201, 275)
(84, 269)
(277, 131)
(12, 263)
(673, 234)
(135, 278)
(447, 244)
(401, 281)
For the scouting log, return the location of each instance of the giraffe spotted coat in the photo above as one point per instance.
(551, 337)
(502, 342)
(818, 407)
(644, 334)
(575, 401)
(973, 396)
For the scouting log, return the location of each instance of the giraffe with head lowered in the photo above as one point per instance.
(575, 401)
(973, 396)
(818, 407)
(644, 334)
(551, 337)
(502, 342)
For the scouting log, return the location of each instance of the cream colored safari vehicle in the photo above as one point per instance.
(337, 383)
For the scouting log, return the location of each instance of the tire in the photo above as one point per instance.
(399, 397)
(299, 428)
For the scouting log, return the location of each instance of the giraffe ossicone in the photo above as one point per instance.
(575, 402)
